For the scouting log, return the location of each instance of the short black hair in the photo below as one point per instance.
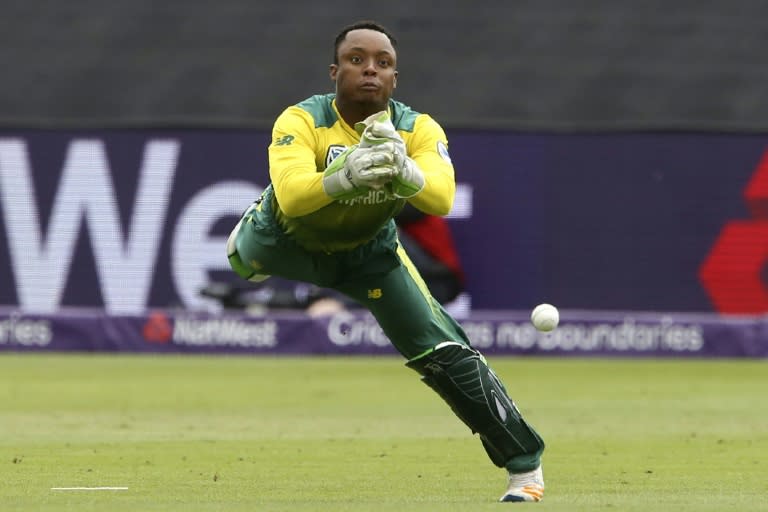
(364, 24)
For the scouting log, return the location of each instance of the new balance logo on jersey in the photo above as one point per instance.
(285, 140)
(334, 150)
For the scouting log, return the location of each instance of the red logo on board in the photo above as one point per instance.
(158, 328)
(733, 272)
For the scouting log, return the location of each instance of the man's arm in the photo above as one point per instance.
(428, 148)
(292, 168)
(300, 189)
(425, 173)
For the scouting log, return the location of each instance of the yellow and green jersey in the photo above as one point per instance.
(307, 137)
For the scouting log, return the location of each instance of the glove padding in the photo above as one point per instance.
(409, 180)
(377, 130)
(358, 170)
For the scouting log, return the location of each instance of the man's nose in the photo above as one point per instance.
(370, 67)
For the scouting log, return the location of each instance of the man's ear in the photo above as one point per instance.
(332, 70)
(394, 82)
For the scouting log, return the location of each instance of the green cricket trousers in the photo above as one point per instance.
(378, 274)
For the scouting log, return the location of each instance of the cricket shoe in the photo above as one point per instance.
(525, 486)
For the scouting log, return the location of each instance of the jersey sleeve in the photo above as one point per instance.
(292, 167)
(428, 147)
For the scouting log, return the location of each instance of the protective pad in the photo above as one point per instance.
(460, 375)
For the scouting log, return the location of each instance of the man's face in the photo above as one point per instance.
(366, 71)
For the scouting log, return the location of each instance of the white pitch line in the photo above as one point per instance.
(89, 488)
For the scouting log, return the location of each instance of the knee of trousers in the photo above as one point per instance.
(237, 264)
(460, 375)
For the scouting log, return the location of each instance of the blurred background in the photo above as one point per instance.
(611, 156)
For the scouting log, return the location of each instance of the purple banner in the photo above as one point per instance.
(581, 333)
(129, 220)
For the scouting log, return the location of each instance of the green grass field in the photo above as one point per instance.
(361, 434)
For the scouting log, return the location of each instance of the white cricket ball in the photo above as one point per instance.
(545, 317)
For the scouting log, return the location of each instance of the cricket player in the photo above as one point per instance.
(342, 166)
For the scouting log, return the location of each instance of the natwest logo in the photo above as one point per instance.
(158, 328)
(733, 272)
(224, 332)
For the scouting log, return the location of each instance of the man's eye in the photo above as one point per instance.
(384, 63)
(356, 60)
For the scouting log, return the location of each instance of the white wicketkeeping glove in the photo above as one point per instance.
(377, 130)
(359, 169)
(409, 180)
